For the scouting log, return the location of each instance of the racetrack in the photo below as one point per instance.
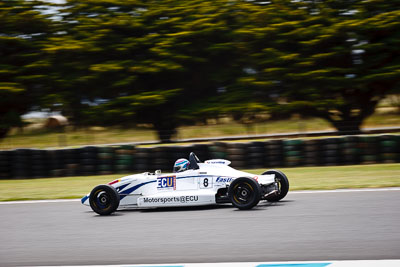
(349, 225)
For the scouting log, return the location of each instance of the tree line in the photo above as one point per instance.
(169, 63)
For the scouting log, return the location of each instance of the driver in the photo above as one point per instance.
(181, 165)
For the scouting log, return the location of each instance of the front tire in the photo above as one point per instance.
(244, 193)
(283, 184)
(104, 199)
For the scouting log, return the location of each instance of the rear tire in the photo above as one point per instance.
(244, 193)
(104, 199)
(283, 184)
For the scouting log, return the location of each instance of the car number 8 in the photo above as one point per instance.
(205, 182)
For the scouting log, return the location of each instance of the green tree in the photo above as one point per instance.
(23, 28)
(173, 62)
(332, 59)
(147, 59)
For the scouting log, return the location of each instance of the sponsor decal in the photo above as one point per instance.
(223, 180)
(171, 200)
(166, 182)
(218, 161)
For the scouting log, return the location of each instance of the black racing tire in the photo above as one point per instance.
(244, 193)
(104, 199)
(283, 184)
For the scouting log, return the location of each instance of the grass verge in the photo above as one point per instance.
(40, 138)
(303, 178)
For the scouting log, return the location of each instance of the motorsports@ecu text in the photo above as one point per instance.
(192, 183)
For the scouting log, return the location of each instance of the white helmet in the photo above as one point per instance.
(181, 165)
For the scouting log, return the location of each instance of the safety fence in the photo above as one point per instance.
(97, 160)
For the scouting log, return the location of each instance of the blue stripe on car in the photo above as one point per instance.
(119, 188)
(84, 199)
(123, 194)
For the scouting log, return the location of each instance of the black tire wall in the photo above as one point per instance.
(125, 159)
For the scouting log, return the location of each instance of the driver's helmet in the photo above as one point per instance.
(181, 165)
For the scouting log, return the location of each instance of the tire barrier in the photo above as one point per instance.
(5, 164)
(55, 163)
(389, 148)
(88, 160)
(20, 163)
(255, 155)
(274, 154)
(331, 152)
(351, 151)
(142, 159)
(124, 159)
(293, 151)
(369, 149)
(218, 150)
(105, 160)
(236, 153)
(312, 152)
(71, 166)
(160, 159)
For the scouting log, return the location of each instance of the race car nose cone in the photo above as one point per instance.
(84, 199)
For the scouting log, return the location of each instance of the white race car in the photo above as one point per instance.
(208, 183)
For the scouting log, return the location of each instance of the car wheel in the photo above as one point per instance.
(283, 184)
(244, 193)
(104, 199)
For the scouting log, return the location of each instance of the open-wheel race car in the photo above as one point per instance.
(192, 183)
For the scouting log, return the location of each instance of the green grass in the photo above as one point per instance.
(98, 135)
(272, 127)
(51, 188)
(304, 178)
(89, 136)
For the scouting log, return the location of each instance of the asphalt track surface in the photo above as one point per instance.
(305, 226)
